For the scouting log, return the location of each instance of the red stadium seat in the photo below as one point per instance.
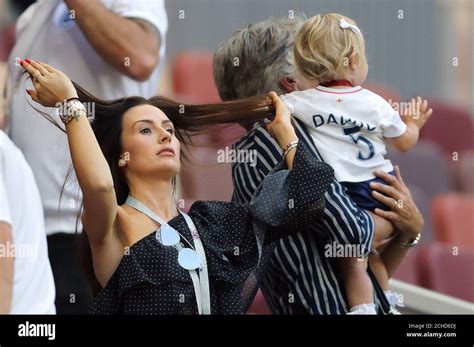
(203, 178)
(423, 202)
(408, 269)
(453, 218)
(386, 92)
(226, 135)
(7, 33)
(193, 79)
(450, 127)
(425, 160)
(259, 305)
(463, 172)
(448, 272)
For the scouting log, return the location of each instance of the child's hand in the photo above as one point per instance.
(421, 112)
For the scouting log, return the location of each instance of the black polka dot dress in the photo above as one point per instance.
(238, 240)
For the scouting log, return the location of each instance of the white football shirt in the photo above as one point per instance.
(348, 126)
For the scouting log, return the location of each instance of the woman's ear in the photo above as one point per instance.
(353, 61)
(122, 162)
(123, 159)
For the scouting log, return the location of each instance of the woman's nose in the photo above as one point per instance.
(165, 136)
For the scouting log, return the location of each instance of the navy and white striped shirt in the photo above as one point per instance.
(300, 278)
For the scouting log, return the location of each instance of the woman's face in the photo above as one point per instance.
(149, 145)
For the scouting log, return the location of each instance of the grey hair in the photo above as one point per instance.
(255, 58)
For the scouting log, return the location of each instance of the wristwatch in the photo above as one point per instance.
(411, 244)
(70, 109)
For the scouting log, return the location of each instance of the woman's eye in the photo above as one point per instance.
(170, 130)
(145, 131)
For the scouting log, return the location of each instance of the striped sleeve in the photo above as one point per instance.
(247, 178)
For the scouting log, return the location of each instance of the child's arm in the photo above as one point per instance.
(408, 139)
(414, 123)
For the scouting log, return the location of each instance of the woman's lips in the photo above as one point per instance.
(166, 152)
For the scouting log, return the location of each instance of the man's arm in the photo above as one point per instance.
(6, 269)
(132, 46)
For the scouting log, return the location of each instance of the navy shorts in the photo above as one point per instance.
(361, 194)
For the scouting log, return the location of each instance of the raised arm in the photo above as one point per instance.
(93, 173)
(281, 128)
(408, 139)
(414, 123)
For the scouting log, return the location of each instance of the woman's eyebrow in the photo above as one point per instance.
(144, 121)
(166, 121)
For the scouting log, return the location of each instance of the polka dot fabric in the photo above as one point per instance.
(237, 238)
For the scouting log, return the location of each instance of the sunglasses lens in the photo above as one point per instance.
(169, 236)
(189, 259)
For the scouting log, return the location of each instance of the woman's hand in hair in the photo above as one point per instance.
(281, 128)
(51, 86)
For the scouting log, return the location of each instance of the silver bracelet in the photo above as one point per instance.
(289, 147)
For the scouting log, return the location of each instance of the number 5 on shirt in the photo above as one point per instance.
(358, 139)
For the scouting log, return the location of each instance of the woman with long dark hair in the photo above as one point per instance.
(148, 256)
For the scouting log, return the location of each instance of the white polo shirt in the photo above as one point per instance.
(348, 127)
(61, 43)
(20, 206)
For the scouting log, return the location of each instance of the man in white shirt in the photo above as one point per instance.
(26, 279)
(112, 48)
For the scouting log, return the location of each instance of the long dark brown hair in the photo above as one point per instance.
(106, 123)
